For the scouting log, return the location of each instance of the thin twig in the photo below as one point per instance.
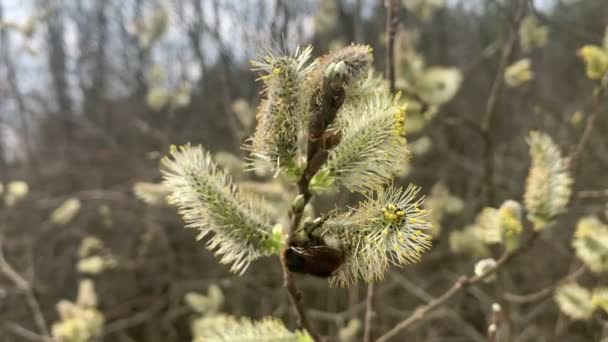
(498, 319)
(491, 104)
(134, 320)
(369, 313)
(543, 293)
(461, 284)
(392, 21)
(466, 281)
(592, 193)
(30, 297)
(23, 332)
(596, 107)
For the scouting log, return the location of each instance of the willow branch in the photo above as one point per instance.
(295, 296)
(596, 108)
(491, 104)
(460, 285)
(23, 332)
(545, 292)
(323, 114)
(465, 281)
(392, 21)
(369, 313)
(30, 297)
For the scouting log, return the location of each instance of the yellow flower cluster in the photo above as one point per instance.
(392, 214)
(509, 217)
(596, 61)
(399, 126)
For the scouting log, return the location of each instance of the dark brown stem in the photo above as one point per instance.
(325, 107)
(491, 104)
(295, 296)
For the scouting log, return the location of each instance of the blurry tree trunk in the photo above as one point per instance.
(225, 74)
(95, 93)
(357, 24)
(142, 55)
(99, 73)
(57, 64)
(347, 21)
(280, 31)
(57, 59)
(194, 35)
(223, 52)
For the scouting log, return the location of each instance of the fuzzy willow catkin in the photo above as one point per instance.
(221, 328)
(389, 228)
(549, 183)
(373, 147)
(590, 243)
(238, 222)
(280, 116)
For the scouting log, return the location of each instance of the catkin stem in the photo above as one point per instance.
(324, 112)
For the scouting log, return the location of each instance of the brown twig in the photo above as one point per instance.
(543, 293)
(498, 319)
(491, 104)
(23, 332)
(592, 193)
(466, 281)
(30, 297)
(369, 313)
(596, 106)
(461, 284)
(392, 21)
(134, 320)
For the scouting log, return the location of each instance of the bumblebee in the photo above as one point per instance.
(314, 256)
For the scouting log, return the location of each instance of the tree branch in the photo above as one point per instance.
(25, 286)
(392, 20)
(461, 284)
(465, 281)
(369, 313)
(540, 294)
(331, 98)
(491, 104)
(596, 108)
